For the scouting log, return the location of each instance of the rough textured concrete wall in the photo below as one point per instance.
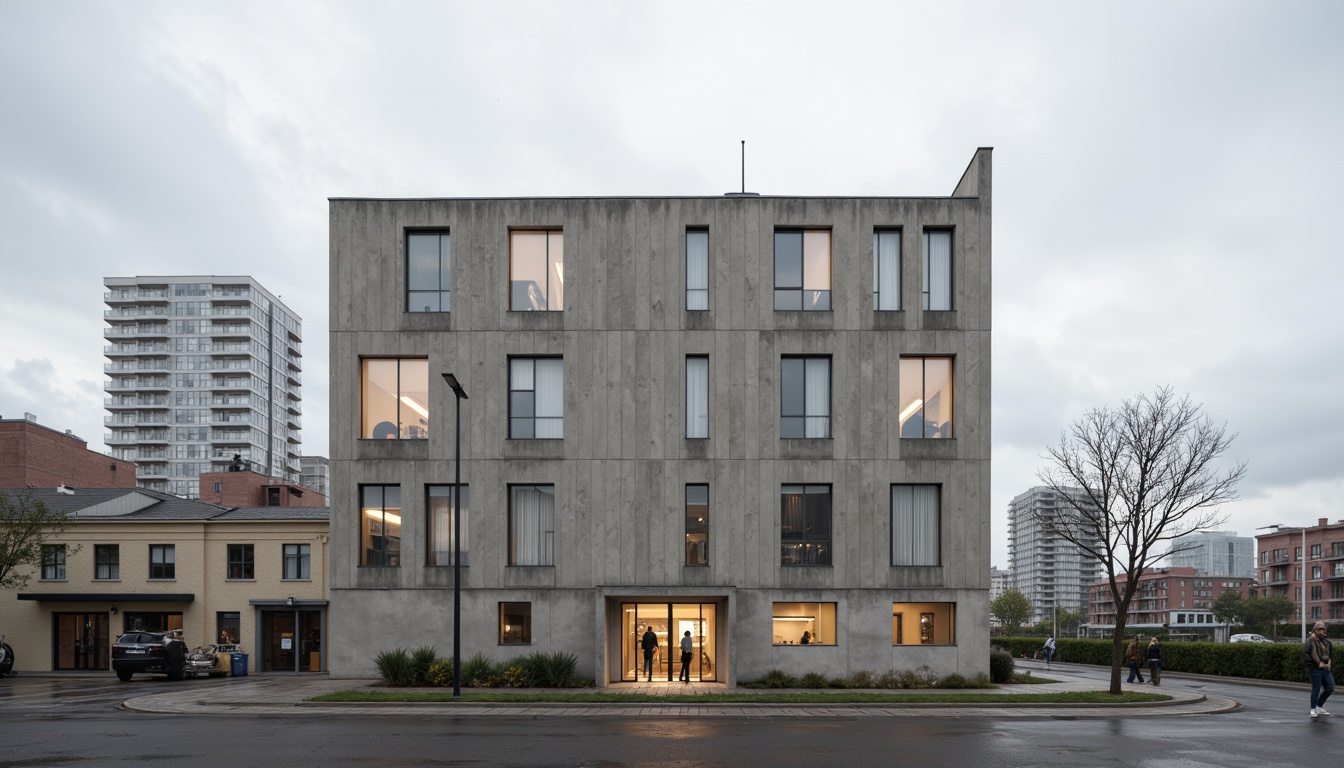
(620, 471)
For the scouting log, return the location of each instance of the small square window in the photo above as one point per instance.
(515, 623)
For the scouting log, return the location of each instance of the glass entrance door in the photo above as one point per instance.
(291, 641)
(669, 623)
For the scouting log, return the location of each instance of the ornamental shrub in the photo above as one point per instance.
(776, 678)
(1001, 665)
(394, 667)
(421, 659)
(813, 680)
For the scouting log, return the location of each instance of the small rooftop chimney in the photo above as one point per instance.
(30, 416)
(65, 489)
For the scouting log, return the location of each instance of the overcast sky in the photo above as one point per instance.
(1167, 176)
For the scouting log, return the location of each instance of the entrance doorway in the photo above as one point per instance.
(670, 623)
(81, 641)
(291, 641)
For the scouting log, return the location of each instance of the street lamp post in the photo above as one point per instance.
(459, 395)
(1284, 529)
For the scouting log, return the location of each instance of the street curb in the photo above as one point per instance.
(763, 705)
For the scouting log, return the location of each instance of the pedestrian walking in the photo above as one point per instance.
(648, 643)
(1134, 654)
(1155, 661)
(686, 646)
(1316, 657)
(1048, 650)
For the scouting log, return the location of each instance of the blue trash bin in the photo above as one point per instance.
(238, 665)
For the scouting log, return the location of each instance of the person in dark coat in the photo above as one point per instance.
(1134, 655)
(1316, 656)
(1155, 661)
(648, 643)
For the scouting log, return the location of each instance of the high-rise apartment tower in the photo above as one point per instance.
(1048, 569)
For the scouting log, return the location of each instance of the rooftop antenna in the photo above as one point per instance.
(744, 192)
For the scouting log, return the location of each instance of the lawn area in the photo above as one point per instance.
(1075, 697)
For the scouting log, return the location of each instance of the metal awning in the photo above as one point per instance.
(109, 597)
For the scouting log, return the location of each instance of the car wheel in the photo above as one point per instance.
(175, 672)
(124, 675)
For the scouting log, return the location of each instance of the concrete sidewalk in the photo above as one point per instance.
(288, 696)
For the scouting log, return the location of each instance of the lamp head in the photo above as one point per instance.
(456, 387)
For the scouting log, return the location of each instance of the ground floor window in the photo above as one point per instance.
(804, 623)
(291, 641)
(228, 628)
(144, 621)
(923, 623)
(515, 623)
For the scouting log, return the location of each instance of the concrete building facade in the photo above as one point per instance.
(201, 369)
(1216, 553)
(1049, 570)
(38, 456)
(763, 421)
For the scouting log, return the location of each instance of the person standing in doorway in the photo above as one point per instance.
(1155, 660)
(686, 646)
(1316, 656)
(648, 643)
(1133, 654)
(1048, 650)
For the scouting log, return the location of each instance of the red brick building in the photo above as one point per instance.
(31, 454)
(1282, 564)
(251, 489)
(1169, 600)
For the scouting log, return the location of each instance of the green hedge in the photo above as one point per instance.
(1262, 661)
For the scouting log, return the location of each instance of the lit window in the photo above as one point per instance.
(923, 624)
(515, 623)
(915, 524)
(697, 270)
(804, 397)
(697, 397)
(380, 531)
(241, 562)
(805, 525)
(53, 561)
(697, 524)
(396, 399)
(926, 397)
(937, 292)
(536, 271)
(440, 510)
(531, 525)
(297, 561)
(428, 273)
(887, 270)
(803, 623)
(536, 398)
(803, 270)
(162, 561)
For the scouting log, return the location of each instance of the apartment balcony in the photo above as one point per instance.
(135, 350)
(154, 295)
(112, 438)
(152, 437)
(131, 313)
(231, 295)
(230, 330)
(134, 403)
(231, 403)
(153, 364)
(1335, 575)
(293, 421)
(154, 471)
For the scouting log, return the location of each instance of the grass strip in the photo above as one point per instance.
(1072, 697)
(1026, 678)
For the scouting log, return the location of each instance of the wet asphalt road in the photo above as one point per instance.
(75, 721)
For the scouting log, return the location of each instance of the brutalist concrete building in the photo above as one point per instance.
(760, 420)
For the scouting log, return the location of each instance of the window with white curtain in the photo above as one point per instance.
(925, 397)
(697, 396)
(803, 269)
(531, 525)
(937, 293)
(887, 270)
(805, 397)
(697, 269)
(439, 508)
(536, 398)
(916, 521)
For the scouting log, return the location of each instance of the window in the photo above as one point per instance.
(915, 524)
(272, 497)
(536, 398)
(241, 562)
(515, 623)
(1297, 553)
(396, 399)
(1315, 571)
(803, 623)
(162, 561)
(380, 534)
(804, 397)
(926, 397)
(107, 561)
(697, 397)
(937, 293)
(697, 524)
(1315, 551)
(531, 525)
(887, 270)
(1316, 593)
(805, 525)
(53, 561)
(228, 628)
(803, 270)
(297, 561)
(439, 507)
(697, 269)
(537, 271)
(923, 624)
(428, 276)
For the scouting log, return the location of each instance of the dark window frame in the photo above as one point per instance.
(925, 290)
(810, 549)
(548, 551)
(162, 567)
(383, 552)
(696, 527)
(53, 562)
(878, 233)
(106, 562)
(442, 294)
(242, 562)
(517, 400)
(687, 269)
(296, 564)
(511, 632)
(788, 418)
(938, 543)
(800, 290)
(430, 556)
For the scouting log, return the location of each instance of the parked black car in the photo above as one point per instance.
(160, 653)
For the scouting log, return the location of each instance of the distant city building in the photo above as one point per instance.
(1049, 570)
(1172, 601)
(1281, 568)
(1000, 581)
(249, 489)
(1216, 553)
(41, 457)
(201, 369)
(315, 473)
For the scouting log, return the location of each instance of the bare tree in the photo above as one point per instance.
(1132, 479)
(25, 525)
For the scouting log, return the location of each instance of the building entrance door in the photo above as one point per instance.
(291, 641)
(670, 622)
(81, 641)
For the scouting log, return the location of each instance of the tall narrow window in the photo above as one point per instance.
(915, 525)
(805, 397)
(297, 561)
(395, 399)
(803, 270)
(531, 525)
(53, 561)
(697, 524)
(805, 525)
(926, 397)
(697, 269)
(162, 561)
(937, 293)
(380, 525)
(107, 562)
(697, 397)
(242, 564)
(536, 271)
(428, 277)
(536, 398)
(887, 270)
(440, 510)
